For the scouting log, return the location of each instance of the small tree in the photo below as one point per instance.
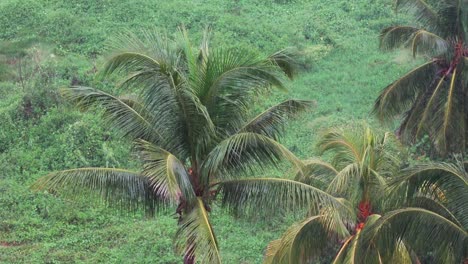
(189, 119)
(431, 214)
(432, 99)
(361, 164)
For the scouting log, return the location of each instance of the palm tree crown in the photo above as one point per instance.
(433, 97)
(362, 163)
(188, 116)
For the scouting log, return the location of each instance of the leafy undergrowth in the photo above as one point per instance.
(39, 133)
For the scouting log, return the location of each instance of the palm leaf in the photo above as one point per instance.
(302, 241)
(398, 96)
(252, 195)
(227, 82)
(129, 117)
(418, 40)
(167, 174)
(396, 36)
(424, 42)
(196, 238)
(416, 226)
(287, 60)
(423, 12)
(124, 188)
(271, 122)
(449, 121)
(315, 171)
(243, 152)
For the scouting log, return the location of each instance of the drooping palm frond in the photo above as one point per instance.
(271, 122)
(445, 182)
(196, 238)
(242, 152)
(416, 227)
(287, 60)
(303, 241)
(167, 174)
(449, 121)
(119, 187)
(251, 195)
(418, 40)
(400, 95)
(131, 118)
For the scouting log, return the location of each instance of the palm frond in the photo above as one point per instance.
(227, 82)
(271, 122)
(152, 52)
(424, 42)
(196, 238)
(129, 117)
(424, 13)
(118, 187)
(274, 195)
(444, 182)
(398, 96)
(168, 176)
(396, 36)
(449, 122)
(287, 60)
(429, 108)
(242, 153)
(416, 226)
(302, 241)
(315, 171)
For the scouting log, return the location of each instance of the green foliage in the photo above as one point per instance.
(345, 70)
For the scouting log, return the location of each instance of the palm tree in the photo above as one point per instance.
(432, 214)
(362, 163)
(189, 119)
(433, 97)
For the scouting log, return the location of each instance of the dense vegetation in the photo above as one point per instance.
(51, 44)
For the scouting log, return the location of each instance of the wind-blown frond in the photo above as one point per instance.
(167, 174)
(123, 188)
(196, 238)
(416, 227)
(241, 152)
(398, 96)
(271, 122)
(252, 195)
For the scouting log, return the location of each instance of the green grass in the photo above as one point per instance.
(346, 73)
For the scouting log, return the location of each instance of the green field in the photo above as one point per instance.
(49, 44)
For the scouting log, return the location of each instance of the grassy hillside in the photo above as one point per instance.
(48, 44)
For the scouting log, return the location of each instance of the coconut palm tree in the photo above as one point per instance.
(431, 214)
(361, 165)
(431, 99)
(189, 118)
